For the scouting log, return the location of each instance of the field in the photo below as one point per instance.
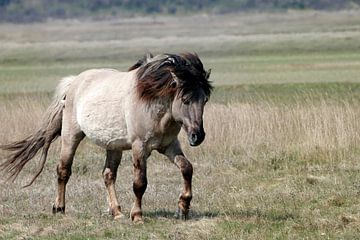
(281, 159)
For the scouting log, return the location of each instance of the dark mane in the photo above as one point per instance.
(155, 76)
(141, 62)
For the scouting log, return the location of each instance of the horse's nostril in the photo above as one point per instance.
(193, 137)
(196, 137)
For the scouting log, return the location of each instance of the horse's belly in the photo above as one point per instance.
(104, 123)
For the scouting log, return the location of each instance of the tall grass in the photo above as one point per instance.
(296, 127)
(302, 126)
(254, 162)
(316, 130)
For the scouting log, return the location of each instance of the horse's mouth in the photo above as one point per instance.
(194, 144)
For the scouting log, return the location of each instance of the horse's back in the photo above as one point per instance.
(101, 104)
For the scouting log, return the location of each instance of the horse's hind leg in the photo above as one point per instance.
(70, 140)
(113, 159)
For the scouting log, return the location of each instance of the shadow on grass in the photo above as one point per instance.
(273, 215)
(194, 215)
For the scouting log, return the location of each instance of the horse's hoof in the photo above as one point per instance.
(137, 218)
(116, 213)
(119, 217)
(58, 210)
(138, 221)
(181, 214)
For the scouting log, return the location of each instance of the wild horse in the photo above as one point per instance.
(142, 109)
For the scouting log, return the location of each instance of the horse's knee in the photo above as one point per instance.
(187, 171)
(185, 166)
(139, 185)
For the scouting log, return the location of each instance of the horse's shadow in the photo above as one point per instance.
(272, 215)
(167, 214)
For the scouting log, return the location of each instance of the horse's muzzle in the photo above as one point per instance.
(196, 138)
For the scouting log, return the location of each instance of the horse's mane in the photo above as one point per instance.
(155, 76)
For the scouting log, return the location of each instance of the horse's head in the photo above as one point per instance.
(183, 80)
(187, 110)
(192, 93)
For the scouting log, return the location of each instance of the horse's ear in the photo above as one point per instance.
(207, 74)
(170, 61)
(149, 56)
(174, 82)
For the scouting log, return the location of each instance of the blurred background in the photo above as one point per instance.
(40, 10)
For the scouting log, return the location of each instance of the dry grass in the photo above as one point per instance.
(280, 161)
(254, 177)
(298, 127)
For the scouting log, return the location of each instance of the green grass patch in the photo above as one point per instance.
(287, 93)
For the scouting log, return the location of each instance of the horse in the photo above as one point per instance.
(142, 109)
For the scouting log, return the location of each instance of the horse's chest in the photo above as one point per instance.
(156, 143)
(161, 140)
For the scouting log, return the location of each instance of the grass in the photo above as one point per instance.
(281, 156)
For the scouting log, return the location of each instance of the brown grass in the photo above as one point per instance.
(298, 127)
(274, 165)
(253, 168)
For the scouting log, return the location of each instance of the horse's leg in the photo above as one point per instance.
(70, 140)
(113, 159)
(140, 181)
(175, 154)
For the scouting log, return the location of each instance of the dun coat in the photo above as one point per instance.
(142, 109)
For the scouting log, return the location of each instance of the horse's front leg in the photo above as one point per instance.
(140, 181)
(175, 154)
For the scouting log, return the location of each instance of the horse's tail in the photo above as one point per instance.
(50, 128)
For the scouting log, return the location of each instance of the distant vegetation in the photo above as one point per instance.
(39, 10)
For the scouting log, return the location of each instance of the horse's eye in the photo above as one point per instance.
(186, 102)
(206, 99)
(173, 84)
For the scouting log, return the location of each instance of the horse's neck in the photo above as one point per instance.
(157, 114)
(164, 125)
(158, 109)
